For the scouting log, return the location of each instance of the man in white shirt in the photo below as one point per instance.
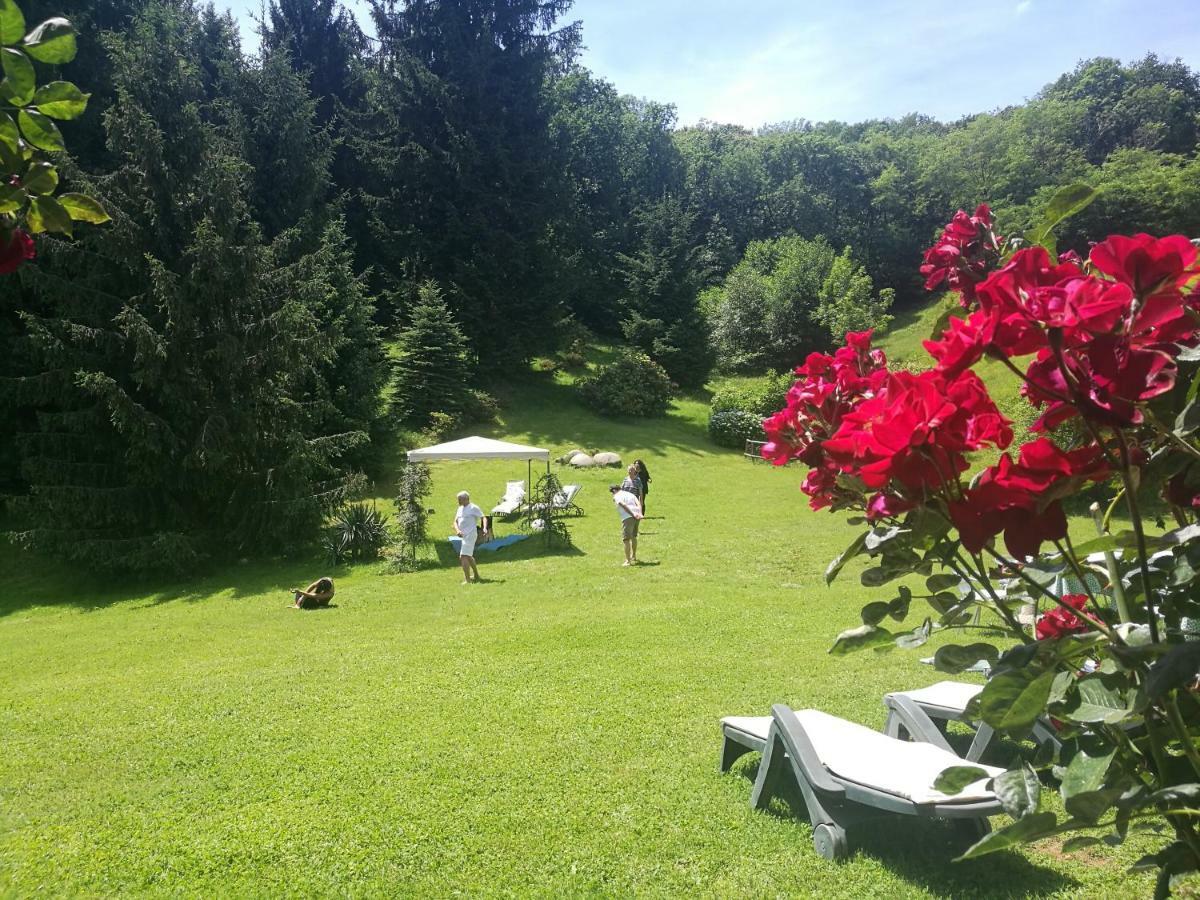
(630, 510)
(466, 526)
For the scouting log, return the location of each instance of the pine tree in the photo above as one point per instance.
(663, 279)
(174, 387)
(432, 369)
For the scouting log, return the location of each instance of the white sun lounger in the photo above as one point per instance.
(848, 772)
(510, 503)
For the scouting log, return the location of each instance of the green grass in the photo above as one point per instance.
(550, 732)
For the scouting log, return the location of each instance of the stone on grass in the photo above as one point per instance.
(582, 461)
(607, 459)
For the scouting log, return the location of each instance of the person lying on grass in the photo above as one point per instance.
(319, 593)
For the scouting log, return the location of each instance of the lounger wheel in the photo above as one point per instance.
(830, 842)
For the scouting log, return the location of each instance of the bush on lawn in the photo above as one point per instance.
(634, 385)
(737, 411)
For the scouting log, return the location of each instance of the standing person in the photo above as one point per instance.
(630, 510)
(644, 477)
(632, 482)
(466, 526)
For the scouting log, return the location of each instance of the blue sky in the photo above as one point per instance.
(758, 61)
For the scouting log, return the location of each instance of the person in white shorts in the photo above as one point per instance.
(466, 526)
(630, 510)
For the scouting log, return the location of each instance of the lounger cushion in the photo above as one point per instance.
(904, 769)
(944, 694)
(755, 726)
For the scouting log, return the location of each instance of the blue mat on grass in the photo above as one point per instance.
(490, 546)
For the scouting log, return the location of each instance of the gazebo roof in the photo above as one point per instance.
(478, 448)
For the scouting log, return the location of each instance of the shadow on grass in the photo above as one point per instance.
(922, 851)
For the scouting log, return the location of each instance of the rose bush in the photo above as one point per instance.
(1113, 343)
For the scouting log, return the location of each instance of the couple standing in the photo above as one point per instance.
(630, 499)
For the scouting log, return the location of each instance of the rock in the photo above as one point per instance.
(607, 459)
(566, 457)
(582, 461)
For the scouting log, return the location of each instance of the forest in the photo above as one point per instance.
(205, 376)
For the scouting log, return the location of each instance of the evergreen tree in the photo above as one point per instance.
(460, 176)
(432, 368)
(663, 279)
(169, 360)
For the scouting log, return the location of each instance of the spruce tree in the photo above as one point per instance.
(432, 368)
(663, 279)
(174, 391)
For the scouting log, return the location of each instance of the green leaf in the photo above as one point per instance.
(874, 613)
(1018, 790)
(1188, 419)
(39, 130)
(1086, 772)
(47, 214)
(11, 198)
(1091, 805)
(60, 100)
(860, 639)
(1022, 831)
(937, 583)
(954, 779)
(83, 208)
(1179, 667)
(42, 178)
(12, 22)
(9, 135)
(916, 637)
(19, 79)
(953, 658)
(950, 308)
(1177, 793)
(1012, 701)
(1065, 203)
(1102, 699)
(52, 42)
(898, 607)
(1063, 682)
(844, 557)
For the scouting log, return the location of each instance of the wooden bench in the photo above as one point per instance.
(753, 450)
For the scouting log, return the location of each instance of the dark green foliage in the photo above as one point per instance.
(737, 410)
(663, 278)
(732, 428)
(359, 532)
(183, 388)
(412, 517)
(634, 385)
(431, 372)
(479, 407)
(786, 298)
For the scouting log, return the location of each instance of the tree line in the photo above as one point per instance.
(204, 375)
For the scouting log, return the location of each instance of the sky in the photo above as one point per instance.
(754, 62)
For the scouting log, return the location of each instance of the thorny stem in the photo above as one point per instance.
(1001, 608)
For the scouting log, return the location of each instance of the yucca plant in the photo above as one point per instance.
(359, 531)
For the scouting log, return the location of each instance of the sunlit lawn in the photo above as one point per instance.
(552, 731)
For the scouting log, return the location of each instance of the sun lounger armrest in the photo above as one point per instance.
(917, 723)
(802, 752)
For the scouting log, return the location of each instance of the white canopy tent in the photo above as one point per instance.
(482, 448)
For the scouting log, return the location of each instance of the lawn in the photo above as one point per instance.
(550, 732)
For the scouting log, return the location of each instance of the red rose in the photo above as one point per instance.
(1060, 622)
(963, 253)
(1147, 264)
(16, 251)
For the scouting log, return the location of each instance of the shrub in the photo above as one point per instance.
(359, 531)
(634, 385)
(738, 410)
(440, 426)
(545, 365)
(733, 427)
